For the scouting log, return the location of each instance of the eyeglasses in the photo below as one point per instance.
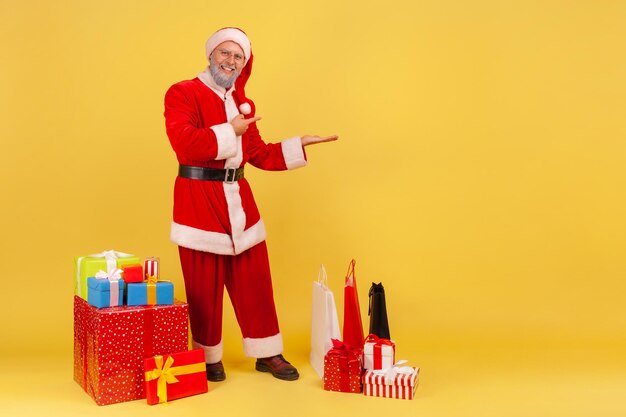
(226, 54)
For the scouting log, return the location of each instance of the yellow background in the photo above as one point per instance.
(479, 175)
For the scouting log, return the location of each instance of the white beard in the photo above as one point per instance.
(221, 79)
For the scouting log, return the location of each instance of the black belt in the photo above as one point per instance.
(228, 175)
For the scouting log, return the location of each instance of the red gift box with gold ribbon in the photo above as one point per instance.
(169, 377)
(343, 367)
(111, 345)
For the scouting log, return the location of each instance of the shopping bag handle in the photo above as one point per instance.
(374, 288)
(322, 276)
(350, 274)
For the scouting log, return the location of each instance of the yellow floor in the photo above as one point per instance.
(455, 381)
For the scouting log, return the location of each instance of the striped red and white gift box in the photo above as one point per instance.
(151, 268)
(402, 387)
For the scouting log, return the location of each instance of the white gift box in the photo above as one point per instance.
(379, 354)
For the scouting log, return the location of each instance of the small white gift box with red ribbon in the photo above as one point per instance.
(396, 382)
(378, 353)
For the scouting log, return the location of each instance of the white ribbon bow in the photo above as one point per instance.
(391, 373)
(114, 277)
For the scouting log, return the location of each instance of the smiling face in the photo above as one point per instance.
(227, 60)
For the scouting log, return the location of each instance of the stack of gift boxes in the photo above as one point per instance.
(130, 335)
(383, 376)
(371, 369)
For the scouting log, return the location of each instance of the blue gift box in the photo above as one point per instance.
(99, 294)
(137, 293)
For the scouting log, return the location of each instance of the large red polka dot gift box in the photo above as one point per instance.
(111, 345)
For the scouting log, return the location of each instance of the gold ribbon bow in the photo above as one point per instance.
(166, 374)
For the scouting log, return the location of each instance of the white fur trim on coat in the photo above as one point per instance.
(236, 214)
(263, 347)
(226, 140)
(212, 354)
(214, 242)
(250, 237)
(293, 153)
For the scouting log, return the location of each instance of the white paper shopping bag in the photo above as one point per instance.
(324, 322)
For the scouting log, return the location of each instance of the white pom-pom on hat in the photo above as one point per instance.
(245, 108)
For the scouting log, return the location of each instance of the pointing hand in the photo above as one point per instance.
(240, 123)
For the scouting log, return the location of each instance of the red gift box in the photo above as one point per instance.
(343, 367)
(111, 344)
(133, 273)
(175, 376)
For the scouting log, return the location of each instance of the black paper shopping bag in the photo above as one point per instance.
(379, 324)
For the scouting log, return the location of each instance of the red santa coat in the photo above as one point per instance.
(215, 216)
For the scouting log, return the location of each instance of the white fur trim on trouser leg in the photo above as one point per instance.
(226, 140)
(263, 347)
(293, 153)
(212, 354)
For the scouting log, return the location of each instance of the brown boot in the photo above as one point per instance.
(215, 372)
(278, 366)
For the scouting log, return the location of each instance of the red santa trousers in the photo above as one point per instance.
(248, 280)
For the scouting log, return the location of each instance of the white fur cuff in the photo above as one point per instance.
(226, 140)
(293, 153)
(263, 347)
(212, 354)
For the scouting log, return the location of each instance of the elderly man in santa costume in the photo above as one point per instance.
(211, 125)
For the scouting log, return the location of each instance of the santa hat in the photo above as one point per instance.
(229, 34)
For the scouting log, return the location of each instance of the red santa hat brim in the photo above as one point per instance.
(229, 34)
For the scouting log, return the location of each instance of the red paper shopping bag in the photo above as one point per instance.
(352, 324)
